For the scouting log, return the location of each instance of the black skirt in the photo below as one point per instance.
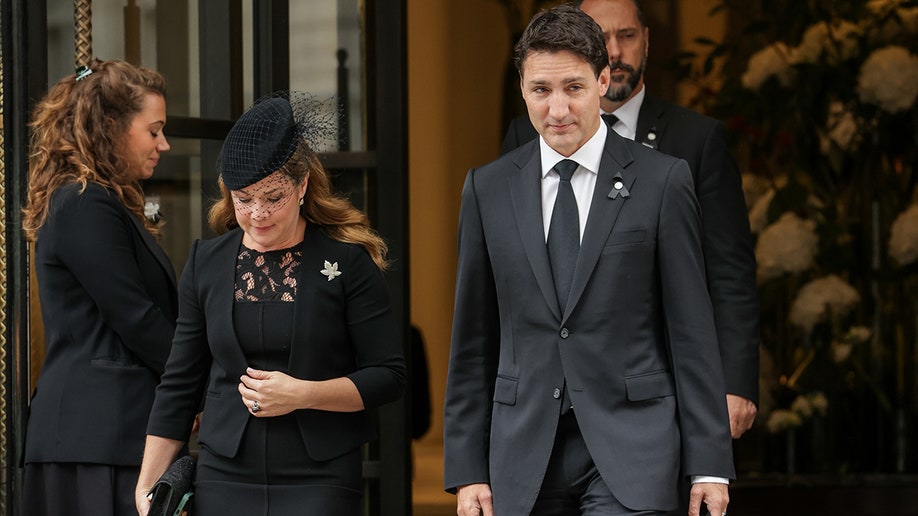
(78, 489)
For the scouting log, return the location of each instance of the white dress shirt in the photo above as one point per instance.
(627, 114)
(583, 181)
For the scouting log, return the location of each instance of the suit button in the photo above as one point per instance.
(565, 333)
(557, 393)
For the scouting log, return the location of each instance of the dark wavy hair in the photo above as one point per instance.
(637, 10)
(78, 135)
(563, 28)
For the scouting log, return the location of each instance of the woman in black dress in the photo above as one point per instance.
(285, 332)
(107, 289)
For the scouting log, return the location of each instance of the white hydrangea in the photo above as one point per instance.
(819, 402)
(758, 215)
(821, 298)
(754, 187)
(788, 245)
(841, 129)
(801, 405)
(881, 7)
(781, 420)
(773, 60)
(836, 40)
(904, 20)
(841, 351)
(858, 334)
(903, 237)
(843, 347)
(889, 79)
(909, 19)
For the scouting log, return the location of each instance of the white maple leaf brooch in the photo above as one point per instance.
(331, 270)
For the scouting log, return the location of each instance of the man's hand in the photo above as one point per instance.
(742, 414)
(474, 500)
(713, 495)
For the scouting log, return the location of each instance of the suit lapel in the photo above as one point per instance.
(526, 197)
(224, 268)
(154, 248)
(604, 211)
(651, 123)
(313, 250)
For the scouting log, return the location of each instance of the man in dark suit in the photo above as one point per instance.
(702, 142)
(584, 372)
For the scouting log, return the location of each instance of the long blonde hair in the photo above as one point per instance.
(78, 136)
(340, 219)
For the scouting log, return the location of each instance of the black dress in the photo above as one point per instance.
(272, 474)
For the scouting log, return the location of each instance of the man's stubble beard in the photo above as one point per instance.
(619, 92)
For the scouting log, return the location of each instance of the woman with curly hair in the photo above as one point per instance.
(107, 289)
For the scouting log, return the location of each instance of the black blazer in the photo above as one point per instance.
(728, 247)
(343, 327)
(636, 342)
(108, 303)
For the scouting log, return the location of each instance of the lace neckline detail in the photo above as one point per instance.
(267, 276)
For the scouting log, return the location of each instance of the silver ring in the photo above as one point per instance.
(255, 407)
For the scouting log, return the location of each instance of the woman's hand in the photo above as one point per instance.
(142, 500)
(158, 454)
(270, 393)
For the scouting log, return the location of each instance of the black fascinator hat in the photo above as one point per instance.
(278, 127)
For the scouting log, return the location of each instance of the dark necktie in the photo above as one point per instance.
(609, 119)
(564, 232)
(564, 244)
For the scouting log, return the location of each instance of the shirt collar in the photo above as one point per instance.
(628, 112)
(587, 156)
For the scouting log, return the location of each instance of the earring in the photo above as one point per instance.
(301, 201)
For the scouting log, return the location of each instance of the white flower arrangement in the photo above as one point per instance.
(758, 214)
(787, 246)
(783, 419)
(818, 402)
(897, 20)
(889, 79)
(842, 131)
(908, 17)
(802, 408)
(836, 41)
(842, 348)
(773, 60)
(882, 7)
(903, 237)
(820, 299)
(754, 187)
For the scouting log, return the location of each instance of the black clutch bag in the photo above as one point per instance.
(173, 491)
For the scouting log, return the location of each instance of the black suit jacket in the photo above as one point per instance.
(636, 343)
(728, 248)
(108, 303)
(343, 327)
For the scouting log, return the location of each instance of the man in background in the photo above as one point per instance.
(702, 142)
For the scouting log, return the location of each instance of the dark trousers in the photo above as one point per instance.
(572, 485)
